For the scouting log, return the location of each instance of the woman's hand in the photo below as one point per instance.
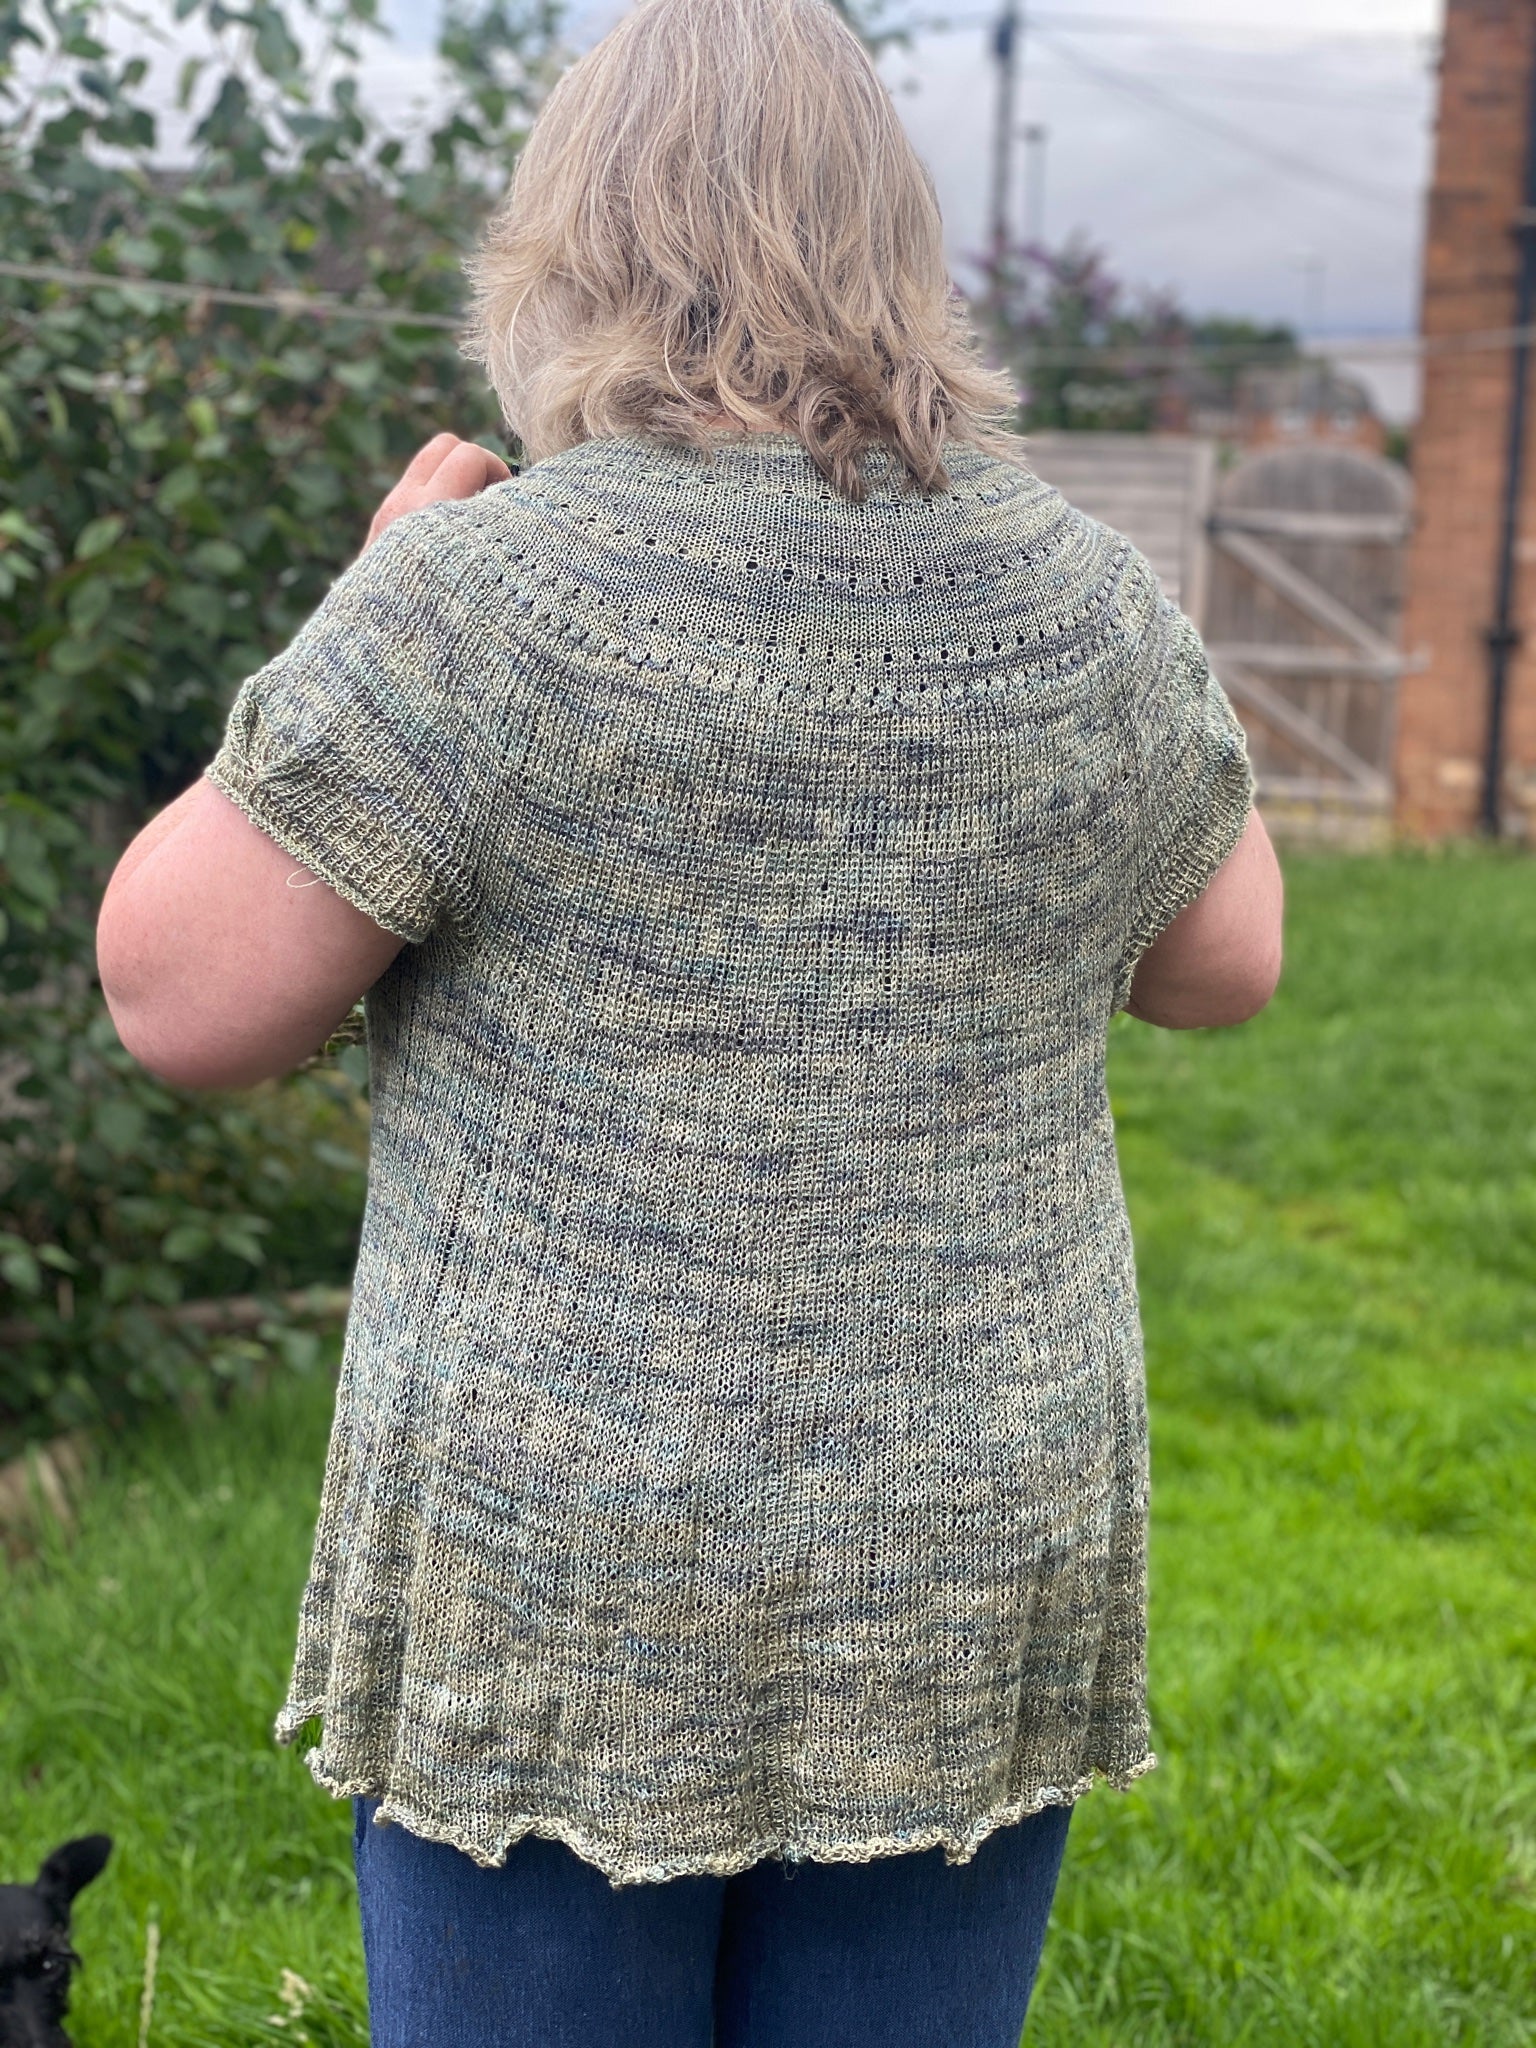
(446, 468)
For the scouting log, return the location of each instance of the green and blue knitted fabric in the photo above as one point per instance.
(740, 1448)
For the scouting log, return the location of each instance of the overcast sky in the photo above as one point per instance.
(1260, 157)
(1265, 158)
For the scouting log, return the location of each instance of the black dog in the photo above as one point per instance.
(35, 1955)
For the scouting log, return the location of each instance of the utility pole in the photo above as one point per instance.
(1504, 635)
(1314, 270)
(1313, 390)
(1007, 36)
(1036, 135)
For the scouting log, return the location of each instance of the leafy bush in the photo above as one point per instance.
(1091, 354)
(180, 481)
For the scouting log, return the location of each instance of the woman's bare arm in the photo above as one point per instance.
(1219, 960)
(217, 973)
(221, 961)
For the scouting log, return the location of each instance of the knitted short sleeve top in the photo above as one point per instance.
(740, 1448)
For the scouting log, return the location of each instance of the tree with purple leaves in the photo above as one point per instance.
(1091, 352)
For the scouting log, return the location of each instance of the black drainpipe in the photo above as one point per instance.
(1504, 635)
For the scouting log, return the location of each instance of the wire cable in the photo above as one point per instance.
(1293, 91)
(318, 305)
(1173, 28)
(1337, 182)
(1389, 348)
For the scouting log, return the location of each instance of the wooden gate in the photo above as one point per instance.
(1303, 597)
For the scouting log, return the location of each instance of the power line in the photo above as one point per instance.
(1180, 26)
(1173, 28)
(1257, 80)
(319, 305)
(1395, 349)
(328, 306)
(1293, 92)
(1337, 182)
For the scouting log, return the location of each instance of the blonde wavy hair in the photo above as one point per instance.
(718, 224)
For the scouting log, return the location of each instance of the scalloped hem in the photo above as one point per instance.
(959, 1844)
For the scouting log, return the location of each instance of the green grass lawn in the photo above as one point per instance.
(1335, 1212)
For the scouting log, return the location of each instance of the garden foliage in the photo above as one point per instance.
(1091, 354)
(179, 484)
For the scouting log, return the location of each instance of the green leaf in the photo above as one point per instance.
(353, 1062)
(185, 1241)
(120, 1125)
(217, 558)
(275, 49)
(122, 1280)
(340, 1160)
(28, 867)
(243, 1246)
(199, 605)
(20, 1268)
(304, 365)
(180, 487)
(301, 1350)
(71, 657)
(137, 252)
(89, 603)
(15, 525)
(55, 1255)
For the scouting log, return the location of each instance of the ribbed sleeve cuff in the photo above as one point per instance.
(338, 839)
(1208, 829)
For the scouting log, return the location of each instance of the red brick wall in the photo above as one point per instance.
(1459, 451)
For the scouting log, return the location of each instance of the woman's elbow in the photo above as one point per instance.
(1181, 996)
(1249, 992)
(170, 1036)
(1219, 961)
(1253, 983)
(161, 1052)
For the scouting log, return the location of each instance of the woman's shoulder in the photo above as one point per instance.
(755, 535)
(455, 544)
(751, 485)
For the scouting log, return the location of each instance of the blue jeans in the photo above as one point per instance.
(903, 1952)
